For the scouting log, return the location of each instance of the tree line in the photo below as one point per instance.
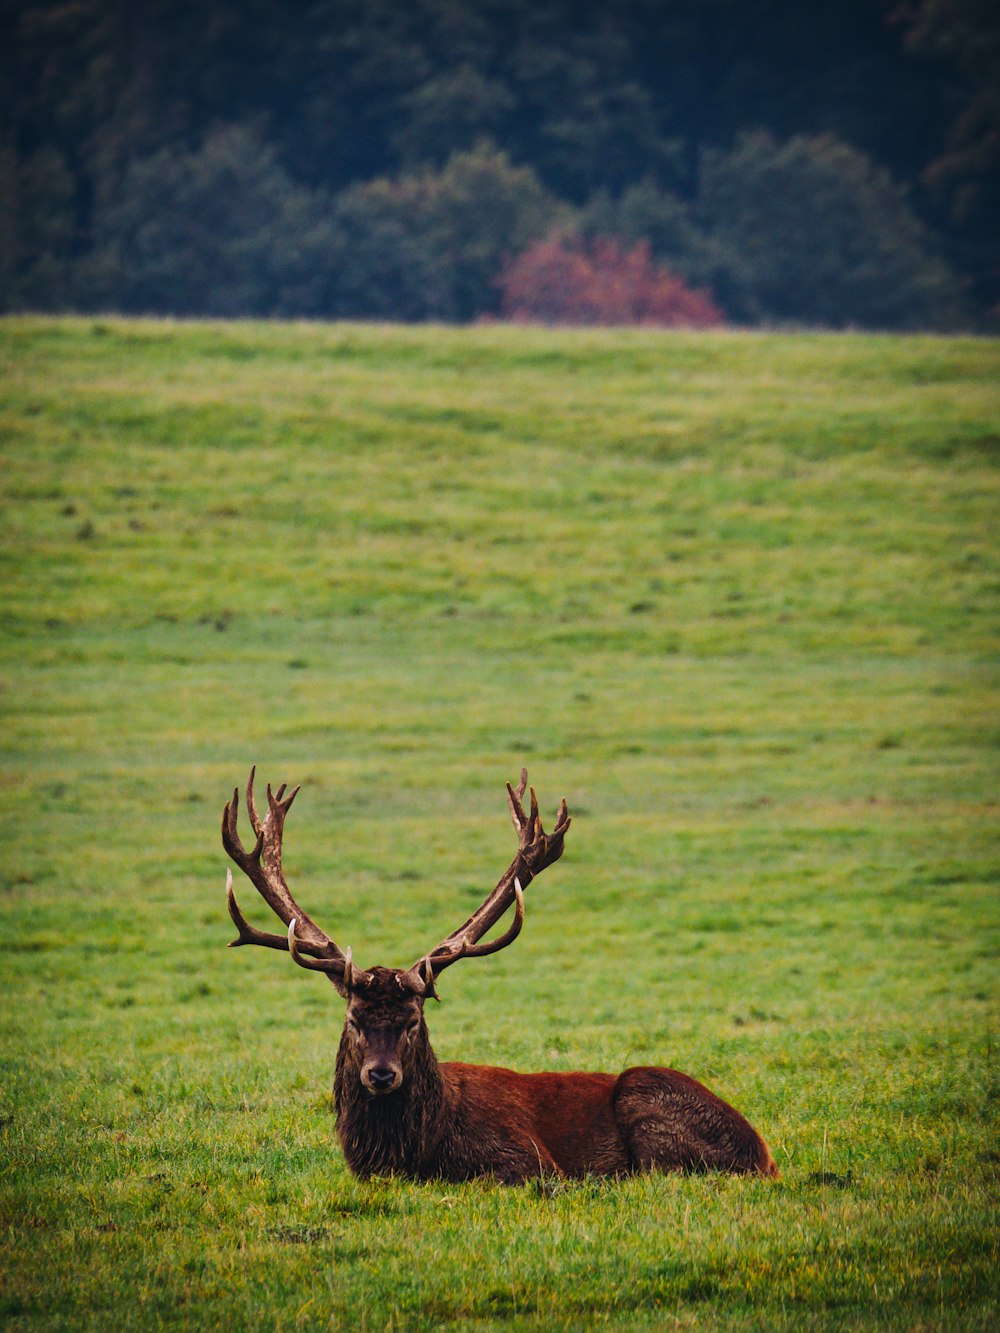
(667, 161)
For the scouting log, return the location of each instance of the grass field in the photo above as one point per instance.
(736, 597)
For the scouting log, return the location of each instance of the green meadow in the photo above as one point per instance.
(736, 597)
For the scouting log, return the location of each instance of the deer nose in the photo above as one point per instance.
(381, 1079)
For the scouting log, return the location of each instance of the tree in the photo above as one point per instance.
(37, 231)
(563, 281)
(663, 219)
(428, 246)
(372, 264)
(813, 232)
(219, 231)
(963, 178)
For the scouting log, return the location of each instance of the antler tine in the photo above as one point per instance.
(248, 934)
(275, 799)
(341, 968)
(231, 839)
(535, 850)
(509, 935)
(514, 799)
(251, 803)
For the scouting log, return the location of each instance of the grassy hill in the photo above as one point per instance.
(735, 597)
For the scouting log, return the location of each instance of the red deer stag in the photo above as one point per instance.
(399, 1110)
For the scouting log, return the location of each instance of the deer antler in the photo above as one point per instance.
(308, 945)
(536, 849)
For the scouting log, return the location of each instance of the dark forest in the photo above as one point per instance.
(753, 162)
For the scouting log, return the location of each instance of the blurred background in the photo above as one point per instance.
(691, 162)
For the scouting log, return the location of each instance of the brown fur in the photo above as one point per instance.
(456, 1121)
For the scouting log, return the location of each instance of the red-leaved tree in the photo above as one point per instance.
(566, 281)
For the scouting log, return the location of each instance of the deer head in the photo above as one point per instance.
(384, 1033)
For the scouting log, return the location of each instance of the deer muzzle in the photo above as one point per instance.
(380, 1078)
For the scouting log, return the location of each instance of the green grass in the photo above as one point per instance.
(735, 597)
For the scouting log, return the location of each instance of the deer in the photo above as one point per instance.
(399, 1111)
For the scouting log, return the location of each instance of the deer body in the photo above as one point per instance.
(454, 1121)
(491, 1121)
(401, 1111)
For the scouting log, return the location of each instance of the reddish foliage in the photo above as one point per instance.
(562, 281)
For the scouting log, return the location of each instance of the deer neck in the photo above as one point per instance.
(399, 1132)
